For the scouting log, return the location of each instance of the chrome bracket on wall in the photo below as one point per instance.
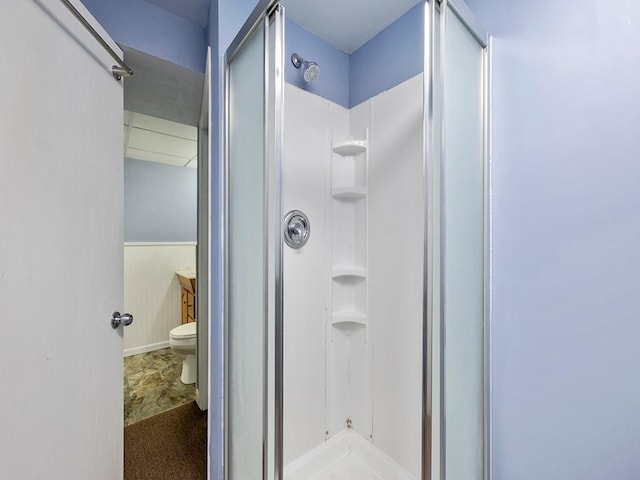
(118, 71)
(297, 229)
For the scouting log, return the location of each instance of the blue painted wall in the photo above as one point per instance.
(160, 202)
(566, 238)
(231, 16)
(150, 29)
(388, 59)
(333, 81)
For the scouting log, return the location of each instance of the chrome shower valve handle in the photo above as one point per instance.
(297, 229)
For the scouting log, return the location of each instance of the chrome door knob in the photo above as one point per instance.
(118, 319)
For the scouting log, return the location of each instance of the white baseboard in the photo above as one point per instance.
(146, 348)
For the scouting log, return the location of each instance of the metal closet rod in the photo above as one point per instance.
(120, 70)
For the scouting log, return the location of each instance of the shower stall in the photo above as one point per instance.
(356, 261)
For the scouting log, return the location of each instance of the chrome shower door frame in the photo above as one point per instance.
(436, 229)
(270, 14)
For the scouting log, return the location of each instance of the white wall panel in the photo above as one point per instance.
(309, 121)
(396, 216)
(330, 374)
(152, 293)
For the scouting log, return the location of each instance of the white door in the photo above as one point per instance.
(61, 234)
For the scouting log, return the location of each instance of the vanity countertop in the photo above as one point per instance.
(187, 278)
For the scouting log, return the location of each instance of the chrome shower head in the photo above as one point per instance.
(310, 70)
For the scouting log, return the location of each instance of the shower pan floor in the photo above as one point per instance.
(346, 456)
(351, 467)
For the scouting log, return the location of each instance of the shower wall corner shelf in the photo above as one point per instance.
(358, 272)
(349, 324)
(349, 148)
(349, 193)
(349, 318)
(349, 212)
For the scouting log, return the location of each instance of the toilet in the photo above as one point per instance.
(182, 341)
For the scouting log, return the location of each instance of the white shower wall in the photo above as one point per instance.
(370, 374)
(152, 292)
(309, 123)
(396, 242)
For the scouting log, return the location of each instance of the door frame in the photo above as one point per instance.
(203, 248)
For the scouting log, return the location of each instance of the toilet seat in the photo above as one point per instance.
(183, 332)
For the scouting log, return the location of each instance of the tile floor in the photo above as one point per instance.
(152, 385)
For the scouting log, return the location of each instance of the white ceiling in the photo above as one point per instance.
(346, 24)
(158, 140)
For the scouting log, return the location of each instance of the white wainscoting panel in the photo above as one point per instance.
(152, 293)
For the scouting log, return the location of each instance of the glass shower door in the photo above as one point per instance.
(347, 314)
(246, 260)
(463, 246)
(251, 258)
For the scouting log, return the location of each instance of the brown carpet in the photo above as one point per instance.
(171, 445)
